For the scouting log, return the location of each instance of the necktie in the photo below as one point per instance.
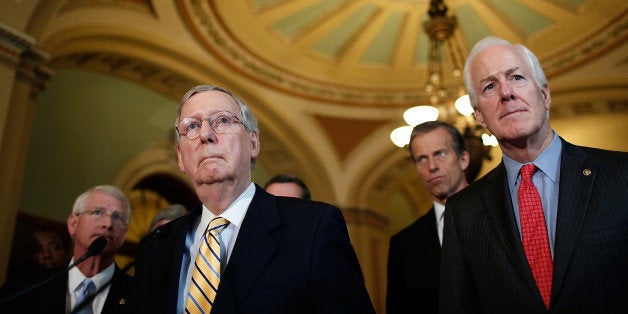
(83, 291)
(206, 275)
(534, 233)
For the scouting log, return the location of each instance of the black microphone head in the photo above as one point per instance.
(97, 246)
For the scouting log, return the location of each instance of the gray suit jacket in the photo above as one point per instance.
(484, 268)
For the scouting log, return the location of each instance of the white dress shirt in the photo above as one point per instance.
(439, 210)
(75, 277)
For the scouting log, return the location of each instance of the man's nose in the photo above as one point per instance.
(506, 91)
(207, 132)
(432, 164)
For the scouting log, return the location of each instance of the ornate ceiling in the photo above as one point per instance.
(329, 79)
(373, 52)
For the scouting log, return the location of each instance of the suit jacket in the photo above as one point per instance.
(413, 268)
(290, 256)
(51, 297)
(484, 268)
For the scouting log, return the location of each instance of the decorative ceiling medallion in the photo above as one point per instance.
(204, 23)
(372, 52)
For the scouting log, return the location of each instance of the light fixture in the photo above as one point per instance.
(400, 135)
(447, 97)
(419, 114)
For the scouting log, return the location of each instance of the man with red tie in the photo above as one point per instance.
(546, 230)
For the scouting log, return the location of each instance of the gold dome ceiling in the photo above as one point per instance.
(373, 52)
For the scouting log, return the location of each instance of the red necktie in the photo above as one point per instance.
(534, 233)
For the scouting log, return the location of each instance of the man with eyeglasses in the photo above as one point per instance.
(97, 284)
(243, 250)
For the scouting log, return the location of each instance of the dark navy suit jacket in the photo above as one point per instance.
(484, 268)
(51, 297)
(414, 267)
(290, 256)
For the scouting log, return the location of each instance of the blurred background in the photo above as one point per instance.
(89, 91)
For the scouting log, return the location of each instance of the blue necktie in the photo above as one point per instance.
(83, 292)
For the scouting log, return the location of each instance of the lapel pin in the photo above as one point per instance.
(586, 172)
(122, 302)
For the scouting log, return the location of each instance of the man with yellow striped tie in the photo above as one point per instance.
(243, 250)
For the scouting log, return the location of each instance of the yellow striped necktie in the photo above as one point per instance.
(206, 275)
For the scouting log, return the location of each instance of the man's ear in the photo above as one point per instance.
(465, 158)
(478, 117)
(72, 222)
(255, 144)
(547, 98)
(180, 159)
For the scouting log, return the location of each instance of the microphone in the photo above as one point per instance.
(94, 249)
(154, 236)
(158, 233)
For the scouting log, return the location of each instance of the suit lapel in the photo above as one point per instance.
(166, 271)
(498, 205)
(573, 198)
(253, 249)
(432, 233)
(118, 293)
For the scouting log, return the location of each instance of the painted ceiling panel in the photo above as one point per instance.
(577, 2)
(296, 22)
(523, 17)
(340, 37)
(421, 48)
(383, 45)
(471, 25)
(333, 44)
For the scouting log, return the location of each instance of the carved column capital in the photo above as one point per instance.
(20, 53)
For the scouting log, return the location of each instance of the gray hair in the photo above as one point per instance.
(171, 212)
(113, 191)
(537, 71)
(248, 119)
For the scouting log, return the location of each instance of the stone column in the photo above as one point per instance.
(23, 76)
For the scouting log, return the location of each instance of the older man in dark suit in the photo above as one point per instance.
(547, 230)
(95, 285)
(243, 250)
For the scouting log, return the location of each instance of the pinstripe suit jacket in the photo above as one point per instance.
(484, 268)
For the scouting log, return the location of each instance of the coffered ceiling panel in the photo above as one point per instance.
(373, 52)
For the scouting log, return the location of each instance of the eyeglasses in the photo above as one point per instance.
(221, 122)
(97, 214)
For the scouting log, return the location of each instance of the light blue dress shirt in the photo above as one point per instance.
(235, 215)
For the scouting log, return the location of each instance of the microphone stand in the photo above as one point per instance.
(94, 249)
(154, 236)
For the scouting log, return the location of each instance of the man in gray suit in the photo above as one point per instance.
(569, 253)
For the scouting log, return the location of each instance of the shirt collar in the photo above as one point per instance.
(75, 276)
(234, 213)
(548, 162)
(439, 210)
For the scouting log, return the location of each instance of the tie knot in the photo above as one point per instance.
(217, 225)
(527, 171)
(87, 286)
